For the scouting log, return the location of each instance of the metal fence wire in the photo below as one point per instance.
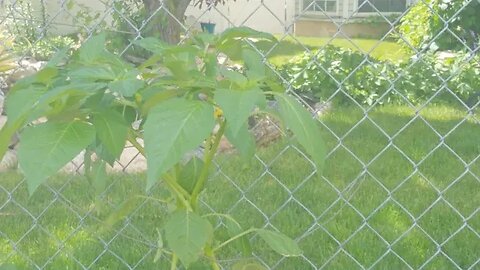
(401, 184)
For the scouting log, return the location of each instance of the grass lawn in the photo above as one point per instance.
(289, 47)
(403, 203)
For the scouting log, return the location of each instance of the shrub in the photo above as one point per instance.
(44, 48)
(342, 75)
(466, 82)
(414, 27)
(29, 34)
(427, 19)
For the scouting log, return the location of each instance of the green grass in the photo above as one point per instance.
(290, 47)
(389, 211)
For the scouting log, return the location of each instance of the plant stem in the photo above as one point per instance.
(173, 266)
(213, 260)
(222, 216)
(234, 238)
(171, 180)
(180, 192)
(137, 145)
(209, 155)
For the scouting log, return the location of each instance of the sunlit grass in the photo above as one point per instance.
(290, 47)
(399, 192)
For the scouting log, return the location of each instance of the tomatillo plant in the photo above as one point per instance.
(183, 98)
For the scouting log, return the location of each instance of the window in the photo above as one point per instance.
(367, 6)
(327, 6)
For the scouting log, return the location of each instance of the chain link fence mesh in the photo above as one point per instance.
(401, 185)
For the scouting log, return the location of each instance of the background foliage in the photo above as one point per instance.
(343, 75)
(428, 20)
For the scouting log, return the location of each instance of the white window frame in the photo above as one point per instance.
(329, 13)
(367, 14)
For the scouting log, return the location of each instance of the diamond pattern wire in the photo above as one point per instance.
(391, 206)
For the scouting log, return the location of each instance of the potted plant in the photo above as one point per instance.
(208, 27)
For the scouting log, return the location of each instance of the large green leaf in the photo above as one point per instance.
(27, 103)
(237, 106)
(127, 87)
(187, 233)
(280, 243)
(24, 104)
(93, 49)
(189, 174)
(233, 77)
(99, 176)
(231, 35)
(151, 44)
(46, 76)
(7, 132)
(305, 128)
(93, 73)
(112, 131)
(105, 155)
(47, 147)
(233, 41)
(21, 101)
(243, 141)
(254, 63)
(173, 128)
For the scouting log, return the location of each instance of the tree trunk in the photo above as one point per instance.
(166, 18)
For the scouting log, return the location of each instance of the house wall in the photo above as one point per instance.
(66, 21)
(346, 23)
(274, 16)
(61, 19)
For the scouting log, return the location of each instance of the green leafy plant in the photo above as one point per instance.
(426, 21)
(29, 33)
(22, 22)
(44, 48)
(342, 75)
(414, 27)
(323, 74)
(90, 101)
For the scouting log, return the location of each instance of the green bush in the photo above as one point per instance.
(44, 48)
(427, 19)
(342, 75)
(467, 81)
(29, 34)
(332, 70)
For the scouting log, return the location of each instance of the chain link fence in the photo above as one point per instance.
(401, 184)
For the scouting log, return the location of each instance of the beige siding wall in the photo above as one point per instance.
(274, 16)
(61, 19)
(65, 20)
